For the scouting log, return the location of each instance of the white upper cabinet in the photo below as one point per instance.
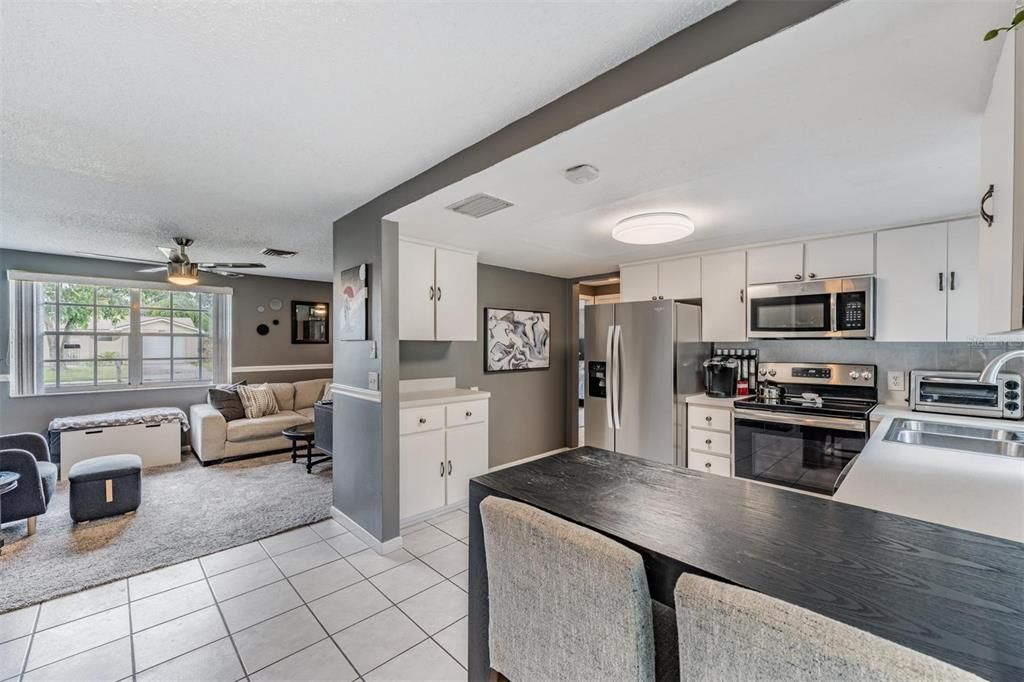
(848, 256)
(455, 295)
(671, 280)
(723, 284)
(415, 291)
(679, 279)
(638, 282)
(962, 289)
(911, 284)
(1000, 292)
(436, 293)
(782, 263)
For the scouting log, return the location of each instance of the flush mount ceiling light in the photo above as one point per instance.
(653, 228)
(183, 273)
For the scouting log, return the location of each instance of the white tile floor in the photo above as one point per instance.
(313, 603)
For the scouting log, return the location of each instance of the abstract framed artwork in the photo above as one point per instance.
(516, 340)
(352, 308)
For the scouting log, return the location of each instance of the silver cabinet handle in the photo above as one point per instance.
(654, 298)
(431, 293)
(811, 275)
(952, 281)
(423, 420)
(661, 298)
(741, 295)
(707, 419)
(707, 442)
(449, 467)
(707, 465)
(942, 276)
(439, 293)
(798, 277)
(468, 413)
(442, 469)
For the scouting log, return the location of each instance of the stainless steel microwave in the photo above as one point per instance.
(842, 308)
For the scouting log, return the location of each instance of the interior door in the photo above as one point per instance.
(911, 284)
(421, 473)
(598, 320)
(646, 356)
(456, 296)
(415, 292)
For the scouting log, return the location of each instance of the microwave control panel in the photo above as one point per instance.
(852, 311)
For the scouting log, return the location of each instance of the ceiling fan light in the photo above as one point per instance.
(653, 228)
(182, 274)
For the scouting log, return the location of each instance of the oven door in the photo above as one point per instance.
(796, 451)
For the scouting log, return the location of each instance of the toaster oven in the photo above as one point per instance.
(951, 392)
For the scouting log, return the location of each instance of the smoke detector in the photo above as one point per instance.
(581, 174)
(479, 205)
(278, 253)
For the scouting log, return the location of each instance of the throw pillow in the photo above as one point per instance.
(224, 398)
(258, 401)
(326, 395)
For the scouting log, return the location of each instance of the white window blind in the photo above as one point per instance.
(91, 334)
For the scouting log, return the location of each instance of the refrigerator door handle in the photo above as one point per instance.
(609, 372)
(616, 377)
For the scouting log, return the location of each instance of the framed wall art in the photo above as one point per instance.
(516, 340)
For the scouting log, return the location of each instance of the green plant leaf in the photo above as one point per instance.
(992, 34)
(1017, 18)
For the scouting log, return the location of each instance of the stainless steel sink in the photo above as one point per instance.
(983, 440)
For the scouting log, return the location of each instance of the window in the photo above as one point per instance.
(91, 334)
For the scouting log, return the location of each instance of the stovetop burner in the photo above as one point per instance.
(834, 390)
(853, 408)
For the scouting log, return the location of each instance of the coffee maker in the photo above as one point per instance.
(720, 376)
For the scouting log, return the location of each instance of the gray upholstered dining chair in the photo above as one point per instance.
(732, 633)
(27, 454)
(569, 603)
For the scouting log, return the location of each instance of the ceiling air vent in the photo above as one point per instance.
(479, 205)
(278, 253)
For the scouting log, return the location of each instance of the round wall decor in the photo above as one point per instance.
(275, 304)
(262, 330)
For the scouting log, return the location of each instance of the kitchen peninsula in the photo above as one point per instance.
(952, 594)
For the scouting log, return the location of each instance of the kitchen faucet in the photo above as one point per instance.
(990, 374)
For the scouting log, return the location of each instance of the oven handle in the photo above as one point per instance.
(837, 423)
(844, 472)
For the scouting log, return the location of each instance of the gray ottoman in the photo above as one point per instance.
(105, 486)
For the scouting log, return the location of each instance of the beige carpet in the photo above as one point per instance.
(187, 511)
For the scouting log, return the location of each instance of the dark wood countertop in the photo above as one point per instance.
(955, 595)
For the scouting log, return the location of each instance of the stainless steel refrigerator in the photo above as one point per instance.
(638, 357)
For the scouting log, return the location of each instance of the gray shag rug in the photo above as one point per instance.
(187, 511)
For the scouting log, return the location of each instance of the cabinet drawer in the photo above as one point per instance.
(709, 418)
(710, 441)
(709, 463)
(419, 419)
(472, 412)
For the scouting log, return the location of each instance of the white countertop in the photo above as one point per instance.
(982, 493)
(440, 397)
(704, 399)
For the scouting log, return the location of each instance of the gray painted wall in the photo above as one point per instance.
(719, 35)
(527, 410)
(894, 357)
(248, 348)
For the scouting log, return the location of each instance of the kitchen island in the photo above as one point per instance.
(952, 594)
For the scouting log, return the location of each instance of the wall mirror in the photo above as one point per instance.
(311, 322)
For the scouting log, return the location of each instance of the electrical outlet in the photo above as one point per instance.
(896, 381)
(373, 350)
(373, 381)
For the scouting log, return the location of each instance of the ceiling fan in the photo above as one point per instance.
(180, 269)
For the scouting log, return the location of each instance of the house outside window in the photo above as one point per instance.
(89, 334)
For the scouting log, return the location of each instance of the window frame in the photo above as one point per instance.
(28, 290)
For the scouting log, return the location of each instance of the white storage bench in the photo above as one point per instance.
(154, 434)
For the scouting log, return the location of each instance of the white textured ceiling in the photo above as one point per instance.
(245, 125)
(867, 115)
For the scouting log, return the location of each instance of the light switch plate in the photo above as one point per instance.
(896, 381)
(373, 382)
(373, 350)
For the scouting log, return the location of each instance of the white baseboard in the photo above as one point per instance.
(413, 520)
(366, 536)
(526, 459)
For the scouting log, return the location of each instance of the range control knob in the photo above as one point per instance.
(854, 374)
(771, 372)
(1011, 407)
(1011, 385)
(1011, 395)
(866, 376)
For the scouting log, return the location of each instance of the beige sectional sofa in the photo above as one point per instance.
(214, 439)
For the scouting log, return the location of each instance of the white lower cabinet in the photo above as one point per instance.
(709, 439)
(440, 449)
(155, 444)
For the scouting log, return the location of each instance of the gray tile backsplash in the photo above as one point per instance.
(889, 357)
